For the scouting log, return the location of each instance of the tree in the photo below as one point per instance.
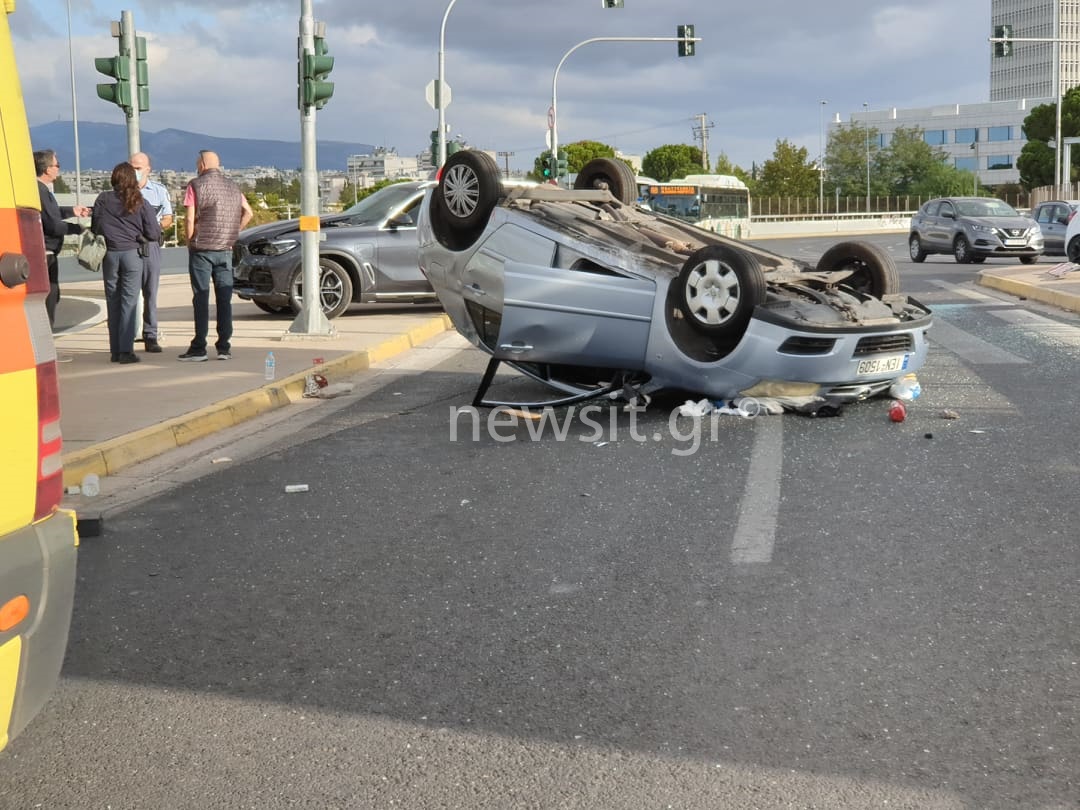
(910, 165)
(577, 155)
(1036, 160)
(788, 173)
(60, 187)
(725, 166)
(845, 160)
(671, 160)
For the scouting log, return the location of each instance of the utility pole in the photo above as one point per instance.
(506, 156)
(701, 133)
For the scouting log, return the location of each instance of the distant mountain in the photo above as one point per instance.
(102, 146)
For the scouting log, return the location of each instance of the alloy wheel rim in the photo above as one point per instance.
(712, 292)
(461, 190)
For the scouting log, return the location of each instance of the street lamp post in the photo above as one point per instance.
(866, 126)
(74, 113)
(440, 90)
(821, 160)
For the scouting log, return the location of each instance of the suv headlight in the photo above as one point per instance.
(274, 248)
(982, 228)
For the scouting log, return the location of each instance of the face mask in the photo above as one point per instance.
(138, 177)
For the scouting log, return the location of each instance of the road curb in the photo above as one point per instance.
(1033, 292)
(113, 455)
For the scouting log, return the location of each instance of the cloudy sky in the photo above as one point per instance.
(228, 68)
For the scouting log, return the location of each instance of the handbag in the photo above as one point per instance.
(91, 250)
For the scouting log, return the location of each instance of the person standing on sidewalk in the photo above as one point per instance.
(127, 222)
(216, 213)
(158, 196)
(53, 226)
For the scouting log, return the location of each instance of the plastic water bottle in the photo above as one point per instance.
(271, 372)
(91, 486)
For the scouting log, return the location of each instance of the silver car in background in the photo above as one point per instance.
(973, 229)
(1054, 217)
(585, 291)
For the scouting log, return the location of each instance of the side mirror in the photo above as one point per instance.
(948, 214)
(402, 220)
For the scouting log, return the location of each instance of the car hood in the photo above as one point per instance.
(1003, 222)
(272, 230)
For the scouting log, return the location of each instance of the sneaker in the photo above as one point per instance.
(152, 345)
(127, 357)
(224, 355)
(192, 356)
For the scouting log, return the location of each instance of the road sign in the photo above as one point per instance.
(431, 94)
(551, 119)
(547, 138)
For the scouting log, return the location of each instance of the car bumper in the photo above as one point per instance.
(264, 278)
(992, 246)
(39, 563)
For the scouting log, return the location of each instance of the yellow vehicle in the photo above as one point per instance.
(37, 538)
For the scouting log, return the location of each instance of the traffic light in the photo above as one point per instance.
(612, 3)
(546, 162)
(314, 89)
(142, 75)
(115, 67)
(434, 147)
(452, 147)
(685, 34)
(560, 165)
(1005, 48)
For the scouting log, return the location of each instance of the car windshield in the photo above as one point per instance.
(378, 205)
(985, 208)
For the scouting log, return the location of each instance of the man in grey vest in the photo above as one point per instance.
(216, 213)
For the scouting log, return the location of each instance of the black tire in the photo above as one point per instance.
(961, 250)
(1028, 259)
(335, 288)
(718, 288)
(1072, 250)
(978, 259)
(469, 187)
(915, 251)
(272, 309)
(612, 174)
(874, 271)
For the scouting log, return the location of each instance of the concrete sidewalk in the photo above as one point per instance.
(114, 416)
(1055, 284)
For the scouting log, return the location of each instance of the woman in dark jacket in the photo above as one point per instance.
(127, 222)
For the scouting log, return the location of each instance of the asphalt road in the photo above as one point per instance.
(781, 612)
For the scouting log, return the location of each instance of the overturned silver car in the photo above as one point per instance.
(586, 292)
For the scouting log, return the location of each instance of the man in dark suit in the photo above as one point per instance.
(53, 225)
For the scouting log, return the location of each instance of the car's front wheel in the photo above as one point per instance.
(719, 286)
(335, 288)
(961, 250)
(915, 249)
(469, 187)
(1072, 250)
(873, 272)
(609, 173)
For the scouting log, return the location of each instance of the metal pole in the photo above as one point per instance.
(866, 126)
(311, 320)
(1058, 170)
(439, 95)
(74, 113)
(555, 78)
(127, 34)
(821, 160)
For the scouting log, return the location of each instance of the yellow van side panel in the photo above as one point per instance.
(22, 189)
(9, 677)
(18, 469)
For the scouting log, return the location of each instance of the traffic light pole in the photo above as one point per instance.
(127, 37)
(554, 116)
(311, 320)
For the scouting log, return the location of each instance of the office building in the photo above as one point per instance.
(1028, 70)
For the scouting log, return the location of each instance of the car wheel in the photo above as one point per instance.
(978, 259)
(961, 250)
(719, 286)
(335, 288)
(873, 270)
(1072, 251)
(1029, 259)
(272, 309)
(612, 174)
(460, 205)
(918, 255)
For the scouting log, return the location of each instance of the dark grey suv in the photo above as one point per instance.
(367, 255)
(973, 229)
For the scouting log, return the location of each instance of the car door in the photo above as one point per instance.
(1053, 218)
(942, 226)
(396, 266)
(926, 222)
(555, 315)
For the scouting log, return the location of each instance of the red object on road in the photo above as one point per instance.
(897, 411)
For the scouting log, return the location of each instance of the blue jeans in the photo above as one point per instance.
(122, 273)
(204, 266)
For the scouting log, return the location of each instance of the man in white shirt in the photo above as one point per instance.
(158, 196)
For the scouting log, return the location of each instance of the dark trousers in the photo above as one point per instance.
(204, 267)
(151, 278)
(53, 298)
(122, 273)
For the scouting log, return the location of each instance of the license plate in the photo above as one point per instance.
(882, 365)
(1015, 242)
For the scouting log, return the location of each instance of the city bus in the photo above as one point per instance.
(715, 202)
